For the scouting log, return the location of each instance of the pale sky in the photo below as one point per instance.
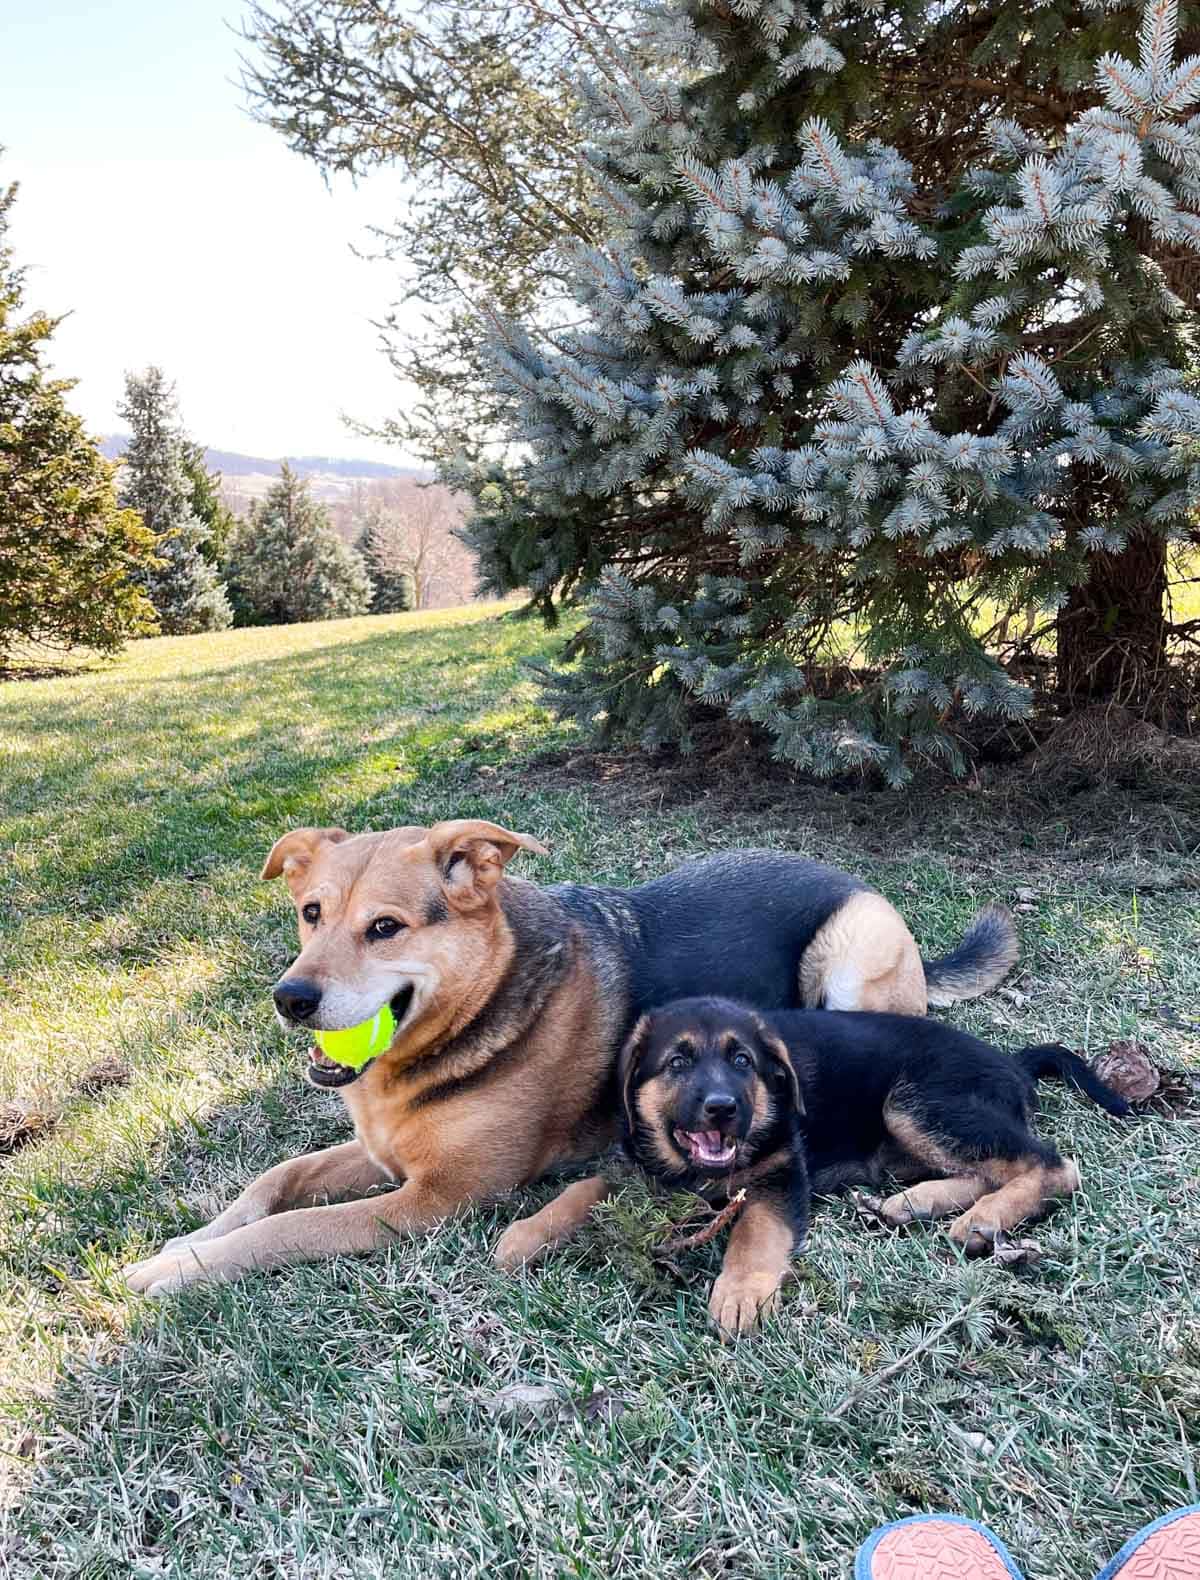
(175, 230)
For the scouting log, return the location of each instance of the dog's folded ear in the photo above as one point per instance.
(471, 855)
(292, 855)
(777, 1051)
(627, 1066)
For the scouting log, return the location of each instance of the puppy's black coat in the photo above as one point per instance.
(717, 1097)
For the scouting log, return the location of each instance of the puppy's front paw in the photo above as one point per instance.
(974, 1233)
(738, 1300)
(904, 1207)
(521, 1244)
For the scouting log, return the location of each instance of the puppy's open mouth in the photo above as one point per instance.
(707, 1148)
(328, 1074)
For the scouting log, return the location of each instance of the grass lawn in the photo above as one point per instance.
(343, 1420)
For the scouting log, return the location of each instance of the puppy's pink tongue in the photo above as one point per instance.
(708, 1146)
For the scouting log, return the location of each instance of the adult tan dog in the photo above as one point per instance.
(511, 1003)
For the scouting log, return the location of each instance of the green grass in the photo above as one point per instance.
(334, 1420)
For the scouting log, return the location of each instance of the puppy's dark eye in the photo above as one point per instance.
(678, 1062)
(311, 913)
(740, 1060)
(384, 927)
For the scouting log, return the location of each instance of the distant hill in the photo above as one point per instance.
(230, 464)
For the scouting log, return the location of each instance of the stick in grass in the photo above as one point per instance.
(689, 1242)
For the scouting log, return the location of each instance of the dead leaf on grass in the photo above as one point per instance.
(523, 1401)
(1178, 1088)
(868, 1208)
(1130, 1069)
(1016, 1253)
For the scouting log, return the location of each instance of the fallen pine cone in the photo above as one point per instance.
(21, 1123)
(1129, 1068)
(107, 1072)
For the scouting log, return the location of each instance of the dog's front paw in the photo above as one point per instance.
(178, 1242)
(738, 1300)
(173, 1268)
(521, 1244)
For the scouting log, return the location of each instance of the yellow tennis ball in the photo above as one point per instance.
(357, 1044)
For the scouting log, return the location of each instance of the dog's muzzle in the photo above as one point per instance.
(327, 1075)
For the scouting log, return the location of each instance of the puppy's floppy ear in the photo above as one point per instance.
(627, 1066)
(293, 854)
(471, 855)
(774, 1047)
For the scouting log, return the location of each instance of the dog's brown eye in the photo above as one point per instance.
(678, 1062)
(740, 1060)
(384, 927)
(311, 913)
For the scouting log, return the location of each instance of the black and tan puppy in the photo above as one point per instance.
(717, 1097)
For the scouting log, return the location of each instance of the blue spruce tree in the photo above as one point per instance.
(890, 337)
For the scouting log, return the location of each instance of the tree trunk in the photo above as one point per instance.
(1112, 632)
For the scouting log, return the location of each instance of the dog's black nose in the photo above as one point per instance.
(296, 998)
(719, 1107)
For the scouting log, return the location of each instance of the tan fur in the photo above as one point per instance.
(932, 1199)
(1025, 1187)
(529, 1239)
(762, 1110)
(864, 958)
(652, 1099)
(756, 1263)
(914, 1140)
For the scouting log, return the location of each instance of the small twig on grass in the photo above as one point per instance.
(688, 1242)
(917, 1350)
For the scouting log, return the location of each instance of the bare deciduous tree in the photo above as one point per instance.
(405, 528)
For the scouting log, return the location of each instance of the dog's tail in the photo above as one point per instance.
(985, 956)
(1052, 1059)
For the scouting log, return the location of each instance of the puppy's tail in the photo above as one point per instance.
(1053, 1059)
(985, 956)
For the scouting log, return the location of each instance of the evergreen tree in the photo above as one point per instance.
(68, 554)
(209, 509)
(892, 324)
(184, 588)
(286, 562)
(395, 586)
